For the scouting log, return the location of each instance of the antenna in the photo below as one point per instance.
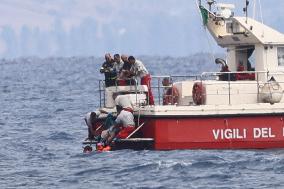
(260, 9)
(246, 10)
(254, 9)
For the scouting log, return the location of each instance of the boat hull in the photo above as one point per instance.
(215, 132)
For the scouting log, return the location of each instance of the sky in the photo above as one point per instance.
(65, 28)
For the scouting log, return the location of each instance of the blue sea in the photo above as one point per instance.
(42, 105)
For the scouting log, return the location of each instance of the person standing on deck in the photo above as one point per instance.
(126, 67)
(109, 71)
(138, 70)
(124, 76)
(118, 63)
(118, 68)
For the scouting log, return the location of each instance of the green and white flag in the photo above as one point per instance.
(204, 14)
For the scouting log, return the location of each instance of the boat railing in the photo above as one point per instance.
(159, 89)
(117, 84)
(156, 86)
(261, 77)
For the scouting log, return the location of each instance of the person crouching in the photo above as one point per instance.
(123, 125)
(91, 122)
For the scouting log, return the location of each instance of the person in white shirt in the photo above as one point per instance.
(138, 70)
(118, 63)
(124, 124)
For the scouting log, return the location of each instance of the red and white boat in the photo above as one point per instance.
(237, 108)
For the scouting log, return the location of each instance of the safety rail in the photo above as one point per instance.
(158, 89)
(156, 86)
(231, 78)
(102, 87)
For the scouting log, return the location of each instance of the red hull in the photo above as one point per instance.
(265, 131)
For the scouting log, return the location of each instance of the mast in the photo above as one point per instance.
(254, 9)
(246, 10)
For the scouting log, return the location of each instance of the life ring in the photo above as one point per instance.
(199, 93)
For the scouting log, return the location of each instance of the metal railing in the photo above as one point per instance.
(102, 89)
(158, 89)
(231, 77)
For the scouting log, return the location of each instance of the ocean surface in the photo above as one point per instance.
(42, 105)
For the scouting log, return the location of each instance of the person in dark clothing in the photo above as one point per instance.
(126, 65)
(125, 68)
(109, 70)
(125, 71)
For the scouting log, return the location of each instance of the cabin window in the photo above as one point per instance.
(280, 55)
(245, 58)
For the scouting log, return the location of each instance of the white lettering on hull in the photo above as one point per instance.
(257, 133)
(263, 133)
(216, 133)
(229, 134)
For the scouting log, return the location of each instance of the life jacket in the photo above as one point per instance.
(101, 148)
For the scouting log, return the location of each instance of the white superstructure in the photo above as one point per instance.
(255, 75)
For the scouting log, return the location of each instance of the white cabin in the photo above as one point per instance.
(247, 40)
(255, 62)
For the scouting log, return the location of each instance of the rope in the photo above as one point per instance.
(135, 131)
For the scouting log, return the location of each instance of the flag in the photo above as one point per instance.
(204, 14)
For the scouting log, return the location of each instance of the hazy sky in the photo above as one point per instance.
(92, 27)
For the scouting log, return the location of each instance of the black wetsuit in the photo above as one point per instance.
(127, 66)
(110, 73)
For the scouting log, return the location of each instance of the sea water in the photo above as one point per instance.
(42, 104)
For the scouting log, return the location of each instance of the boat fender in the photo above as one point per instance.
(271, 92)
(199, 93)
